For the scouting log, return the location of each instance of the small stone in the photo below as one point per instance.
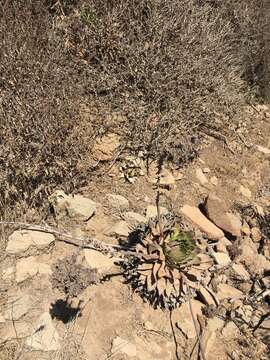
(18, 306)
(2, 319)
(97, 260)
(121, 228)
(245, 192)
(8, 273)
(166, 178)
(148, 326)
(240, 271)
(217, 211)
(151, 211)
(215, 324)
(22, 240)
(134, 218)
(256, 234)
(226, 291)
(221, 259)
(184, 319)
(245, 229)
(222, 245)
(206, 170)
(214, 180)
(123, 346)
(263, 149)
(118, 202)
(196, 216)
(15, 330)
(230, 330)
(104, 148)
(201, 177)
(45, 337)
(260, 264)
(248, 251)
(74, 206)
(245, 313)
(206, 296)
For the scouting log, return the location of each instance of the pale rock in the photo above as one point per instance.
(148, 326)
(123, 346)
(184, 319)
(221, 258)
(134, 218)
(105, 146)
(29, 267)
(193, 214)
(118, 202)
(217, 212)
(245, 192)
(260, 264)
(18, 306)
(214, 180)
(256, 234)
(222, 245)
(45, 337)
(121, 228)
(215, 324)
(206, 296)
(151, 211)
(74, 206)
(245, 229)
(206, 170)
(230, 330)
(245, 313)
(226, 291)
(248, 251)
(263, 149)
(8, 273)
(15, 330)
(201, 177)
(22, 240)
(166, 178)
(2, 319)
(96, 259)
(259, 209)
(240, 271)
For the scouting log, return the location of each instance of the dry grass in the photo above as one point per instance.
(171, 69)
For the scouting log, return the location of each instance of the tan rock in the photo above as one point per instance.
(215, 324)
(217, 212)
(245, 192)
(222, 245)
(263, 149)
(221, 259)
(214, 180)
(230, 330)
(45, 336)
(206, 170)
(96, 259)
(201, 176)
(206, 296)
(193, 214)
(226, 291)
(105, 147)
(245, 229)
(15, 330)
(184, 319)
(118, 202)
(123, 346)
(8, 273)
(256, 234)
(121, 228)
(260, 264)
(240, 271)
(134, 218)
(151, 211)
(22, 240)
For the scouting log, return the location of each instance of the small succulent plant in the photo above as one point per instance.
(165, 256)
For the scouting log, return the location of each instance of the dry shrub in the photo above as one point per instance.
(172, 69)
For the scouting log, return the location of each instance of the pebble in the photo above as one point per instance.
(134, 218)
(206, 296)
(256, 234)
(96, 259)
(263, 149)
(240, 271)
(121, 228)
(206, 170)
(201, 177)
(193, 214)
(245, 228)
(245, 192)
(29, 267)
(184, 319)
(18, 305)
(151, 211)
(214, 180)
(215, 324)
(221, 258)
(104, 148)
(230, 330)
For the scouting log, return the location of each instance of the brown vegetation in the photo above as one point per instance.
(169, 69)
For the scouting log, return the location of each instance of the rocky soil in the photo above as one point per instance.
(62, 299)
